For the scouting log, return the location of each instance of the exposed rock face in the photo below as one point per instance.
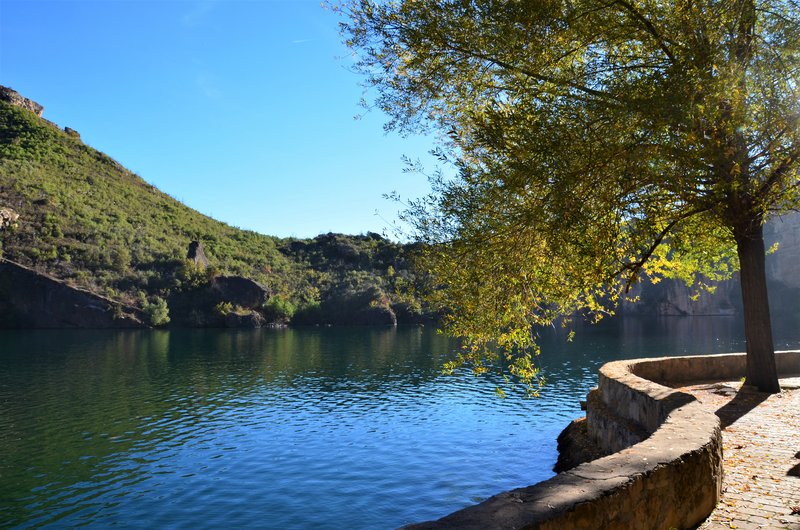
(784, 265)
(239, 291)
(410, 313)
(197, 255)
(375, 315)
(8, 218)
(368, 307)
(673, 297)
(29, 299)
(575, 446)
(72, 132)
(12, 96)
(246, 320)
(200, 307)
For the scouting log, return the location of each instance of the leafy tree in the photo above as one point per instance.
(594, 141)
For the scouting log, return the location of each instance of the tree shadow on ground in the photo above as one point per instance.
(795, 471)
(745, 400)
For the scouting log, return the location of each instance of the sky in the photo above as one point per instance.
(242, 109)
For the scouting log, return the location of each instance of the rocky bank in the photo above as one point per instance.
(31, 299)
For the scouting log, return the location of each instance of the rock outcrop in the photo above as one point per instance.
(29, 299)
(784, 265)
(8, 218)
(12, 96)
(205, 305)
(197, 255)
(368, 306)
(675, 298)
(239, 291)
(250, 319)
(575, 446)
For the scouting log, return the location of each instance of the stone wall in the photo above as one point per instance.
(722, 367)
(667, 468)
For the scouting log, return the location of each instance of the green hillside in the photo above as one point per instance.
(87, 220)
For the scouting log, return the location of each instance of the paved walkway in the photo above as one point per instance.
(761, 447)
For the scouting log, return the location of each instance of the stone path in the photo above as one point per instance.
(761, 447)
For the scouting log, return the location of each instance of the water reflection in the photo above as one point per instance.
(89, 410)
(254, 427)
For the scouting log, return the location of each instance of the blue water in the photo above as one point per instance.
(299, 428)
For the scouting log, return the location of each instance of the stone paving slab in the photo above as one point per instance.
(761, 448)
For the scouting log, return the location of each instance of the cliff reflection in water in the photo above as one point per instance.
(86, 413)
(296, 428)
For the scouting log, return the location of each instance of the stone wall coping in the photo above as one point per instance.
(716, 367)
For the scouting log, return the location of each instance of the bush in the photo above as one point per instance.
(308, 313)
(157, 312)
(278, 309)
(223, 309)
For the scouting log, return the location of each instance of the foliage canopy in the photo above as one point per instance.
(594, 140)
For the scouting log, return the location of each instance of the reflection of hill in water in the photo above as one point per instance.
(353, 353)
(73, 393)
(255, 417)
(672, 297)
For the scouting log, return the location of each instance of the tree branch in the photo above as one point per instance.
(649, 27)
(778, 173)
(637, 265)
(533, 75)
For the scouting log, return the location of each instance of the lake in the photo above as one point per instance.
(295, 428)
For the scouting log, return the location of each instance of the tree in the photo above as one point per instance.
(594, 141)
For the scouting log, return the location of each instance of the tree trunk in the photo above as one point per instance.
(761, 371)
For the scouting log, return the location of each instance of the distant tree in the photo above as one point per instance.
(594, 140)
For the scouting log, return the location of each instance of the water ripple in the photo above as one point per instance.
(275, 429)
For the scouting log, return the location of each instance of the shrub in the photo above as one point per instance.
(223, 308)
(157, 312)
(278, 309)
(308, 313)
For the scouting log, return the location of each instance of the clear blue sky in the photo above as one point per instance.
(244, 110)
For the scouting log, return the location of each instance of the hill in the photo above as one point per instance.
(87, 221)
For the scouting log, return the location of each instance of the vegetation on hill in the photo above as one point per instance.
(87, 220)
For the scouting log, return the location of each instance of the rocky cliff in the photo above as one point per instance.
(12, 96)
(784, 265)
(31, 299)
(674, 298)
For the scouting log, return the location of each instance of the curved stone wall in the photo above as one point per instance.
(667, 468)
(723, 367)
